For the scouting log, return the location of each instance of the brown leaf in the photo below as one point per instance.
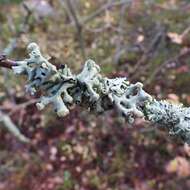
(180, 166)
(175, 38)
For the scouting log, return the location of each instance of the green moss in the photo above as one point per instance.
(182, 82)
(68, 183)
(108, 69)
(95, 181)
(119, 162)
(5, 34)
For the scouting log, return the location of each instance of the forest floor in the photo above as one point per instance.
(146, 41)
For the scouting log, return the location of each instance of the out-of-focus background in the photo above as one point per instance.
(145, 40)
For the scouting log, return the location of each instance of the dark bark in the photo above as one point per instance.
(5, 62)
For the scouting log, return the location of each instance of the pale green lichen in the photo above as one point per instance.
(174, 118)
(90, 89)
(61, 88)
(90, 79)
(36, 67)
(127, 98)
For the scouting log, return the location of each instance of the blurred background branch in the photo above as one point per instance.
(12, 128)
(79, 27)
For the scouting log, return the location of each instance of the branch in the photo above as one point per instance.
(12, 128)
(98, 94)
(150, 51)
(7, 63)
(79, 28)
(22, 29)
(182, 54)
(103, 8)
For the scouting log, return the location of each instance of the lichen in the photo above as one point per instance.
(174, 118)
(91, 90)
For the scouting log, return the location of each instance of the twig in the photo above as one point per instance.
(7, 63)
(23, 27)
(12, 45)
(23, 105)
(72, 13)
(102, 9)
(120, 32)
(80, 23)
(149, 52)
(175, 59)
(91, 90)
(12, 128)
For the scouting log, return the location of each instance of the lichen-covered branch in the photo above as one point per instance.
(175, 118)
(91, 90)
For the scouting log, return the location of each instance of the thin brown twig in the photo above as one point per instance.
(181, 55)
(7, 63)
(22, 29)
(149, 52)
(12, 45)
(102, 9)
(79, 28)
(23, 105)
(120, 34)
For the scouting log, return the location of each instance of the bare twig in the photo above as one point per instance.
(174, 59)
(80, 22)
(12, 128)
(149, 52)
(102, 9)
(22, 29)
(72, 13)
(23, 105)
(7, 63)
(120, 32)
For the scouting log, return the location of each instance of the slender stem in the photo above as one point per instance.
(7, 63)
(103, 8)
(79, 27)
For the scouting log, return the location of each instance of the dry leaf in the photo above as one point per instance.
(108, 19)
(180, 166)
(175, 38)
(140, 38)
(173, 98)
